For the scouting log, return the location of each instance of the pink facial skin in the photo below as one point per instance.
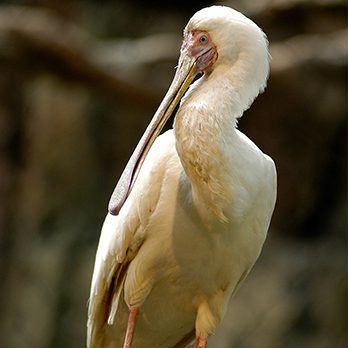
(199, 46)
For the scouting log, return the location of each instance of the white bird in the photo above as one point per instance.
(191, 211)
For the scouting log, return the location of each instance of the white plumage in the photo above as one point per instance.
(196, 215)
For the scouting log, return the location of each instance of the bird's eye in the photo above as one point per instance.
(203, 39)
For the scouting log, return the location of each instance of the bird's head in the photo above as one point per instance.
(221, 36)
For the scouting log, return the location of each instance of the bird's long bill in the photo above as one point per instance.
(185, 74)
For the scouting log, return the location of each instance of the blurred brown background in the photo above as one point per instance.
(79, 80)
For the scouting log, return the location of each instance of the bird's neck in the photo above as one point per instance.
(206, 135)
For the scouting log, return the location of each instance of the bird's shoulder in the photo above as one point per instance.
(253, 180)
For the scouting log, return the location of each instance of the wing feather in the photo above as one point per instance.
(109, 275)
(121, 237)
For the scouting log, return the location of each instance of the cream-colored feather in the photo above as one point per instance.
(198, 214)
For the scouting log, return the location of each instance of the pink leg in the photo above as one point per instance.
(133, 312)
(201, 342)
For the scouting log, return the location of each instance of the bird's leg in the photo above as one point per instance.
(133, 312)
(201, 342)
